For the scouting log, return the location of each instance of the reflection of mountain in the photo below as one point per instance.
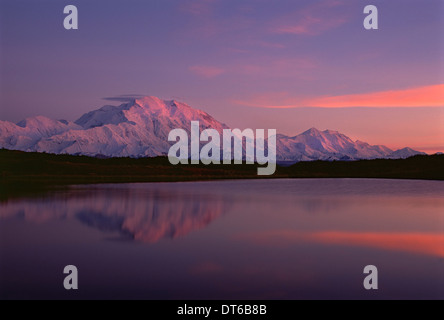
(146, 215)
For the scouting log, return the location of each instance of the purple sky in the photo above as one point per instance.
(249, 63)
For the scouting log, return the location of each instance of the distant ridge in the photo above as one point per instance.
(140, 128)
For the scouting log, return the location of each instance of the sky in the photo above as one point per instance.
(284, 64)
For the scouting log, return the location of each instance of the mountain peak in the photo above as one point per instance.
(35, 121)
(150, 101)
(331, 132)
(405, 153)
(316, 132)
(312, 131)
(159, 106)
(140, 127)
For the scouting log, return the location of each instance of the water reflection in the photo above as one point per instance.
(264, 239)
(422, 243)
(146, 215)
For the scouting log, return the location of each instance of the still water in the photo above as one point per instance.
(261, 239)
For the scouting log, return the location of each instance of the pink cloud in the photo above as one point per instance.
(426, 96)
(310, 26)
(312, 20)
(206, 71)
(431, 149)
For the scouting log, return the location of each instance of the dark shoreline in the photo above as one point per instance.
(27, 173)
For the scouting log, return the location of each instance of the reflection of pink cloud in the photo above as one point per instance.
(312, 20)
(428, 96)
(422, 243)
(206, 71)
(431, 244)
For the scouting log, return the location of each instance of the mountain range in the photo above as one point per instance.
(140, 128)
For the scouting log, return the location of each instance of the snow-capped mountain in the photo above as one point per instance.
(404, 153)
(27, 133)
(140, 128)
(137, 129)
(332, 145)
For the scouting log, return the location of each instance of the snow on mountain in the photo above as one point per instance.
(326, 145)
(27, 133)
(404, 153)
(136, 129)
(140, 128)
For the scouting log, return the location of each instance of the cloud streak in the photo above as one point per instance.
(313, 20)
(310, 25)
(125, 97)
(425, 96)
